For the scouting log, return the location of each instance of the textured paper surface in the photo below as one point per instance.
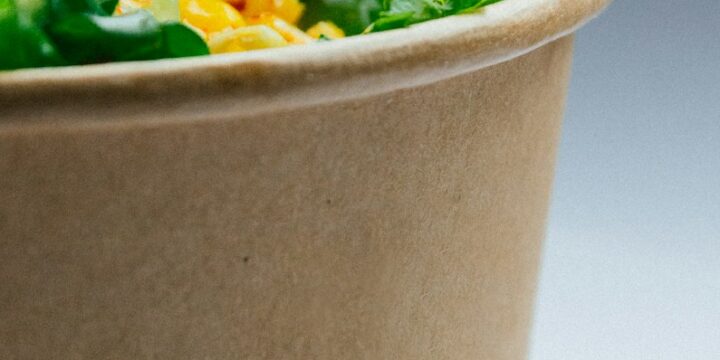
(405, 225)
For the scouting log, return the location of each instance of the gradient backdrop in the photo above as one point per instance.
(632, 259)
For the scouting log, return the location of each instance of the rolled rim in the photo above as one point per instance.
(275, 79)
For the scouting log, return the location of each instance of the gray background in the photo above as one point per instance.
(632, 259)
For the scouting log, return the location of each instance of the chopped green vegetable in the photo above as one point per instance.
(22, 44)
(464, 6)
(36, 33)
(353, 16)
(180, 41)
(403, 13)
(41, 33)
(86, 39)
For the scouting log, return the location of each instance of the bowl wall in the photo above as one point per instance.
(403, 225)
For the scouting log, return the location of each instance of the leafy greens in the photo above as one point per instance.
(353, 16)
(403, 13)
(37, 33)
(40, 33)
(357, 16)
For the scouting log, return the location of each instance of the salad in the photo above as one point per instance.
(42, 33)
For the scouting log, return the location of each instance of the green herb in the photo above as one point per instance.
(41, 33)
(36, 33)
(353, 16)
(21, 43)
(403, 13)
(180, 41)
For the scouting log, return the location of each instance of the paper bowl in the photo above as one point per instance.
(380, 197)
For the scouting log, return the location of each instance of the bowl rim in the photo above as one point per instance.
(272, 79)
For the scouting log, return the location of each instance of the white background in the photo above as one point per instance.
(632, 259)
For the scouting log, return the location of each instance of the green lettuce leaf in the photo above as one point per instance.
(22, 43)
(353, 16)
(403, 13)
(38, 33)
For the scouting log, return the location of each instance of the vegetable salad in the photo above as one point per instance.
(41, 33)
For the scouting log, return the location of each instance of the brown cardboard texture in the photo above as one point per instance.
(377, 208)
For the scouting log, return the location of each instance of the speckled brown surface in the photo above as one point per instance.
(399, 225)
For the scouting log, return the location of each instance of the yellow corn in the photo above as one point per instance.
(259, 24)
(245, 38)
(257, 7)
(288, 10)
(292, 34)
(327, 29)
(210, 15)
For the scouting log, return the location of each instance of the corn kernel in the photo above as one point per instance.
(292, 34)
(288, 10)
(210, 15)
(245, 38)
(257, 7)
(327, 29)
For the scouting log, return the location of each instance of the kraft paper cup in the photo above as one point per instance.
(380, 197)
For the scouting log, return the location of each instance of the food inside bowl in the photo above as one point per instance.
(41, 33)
